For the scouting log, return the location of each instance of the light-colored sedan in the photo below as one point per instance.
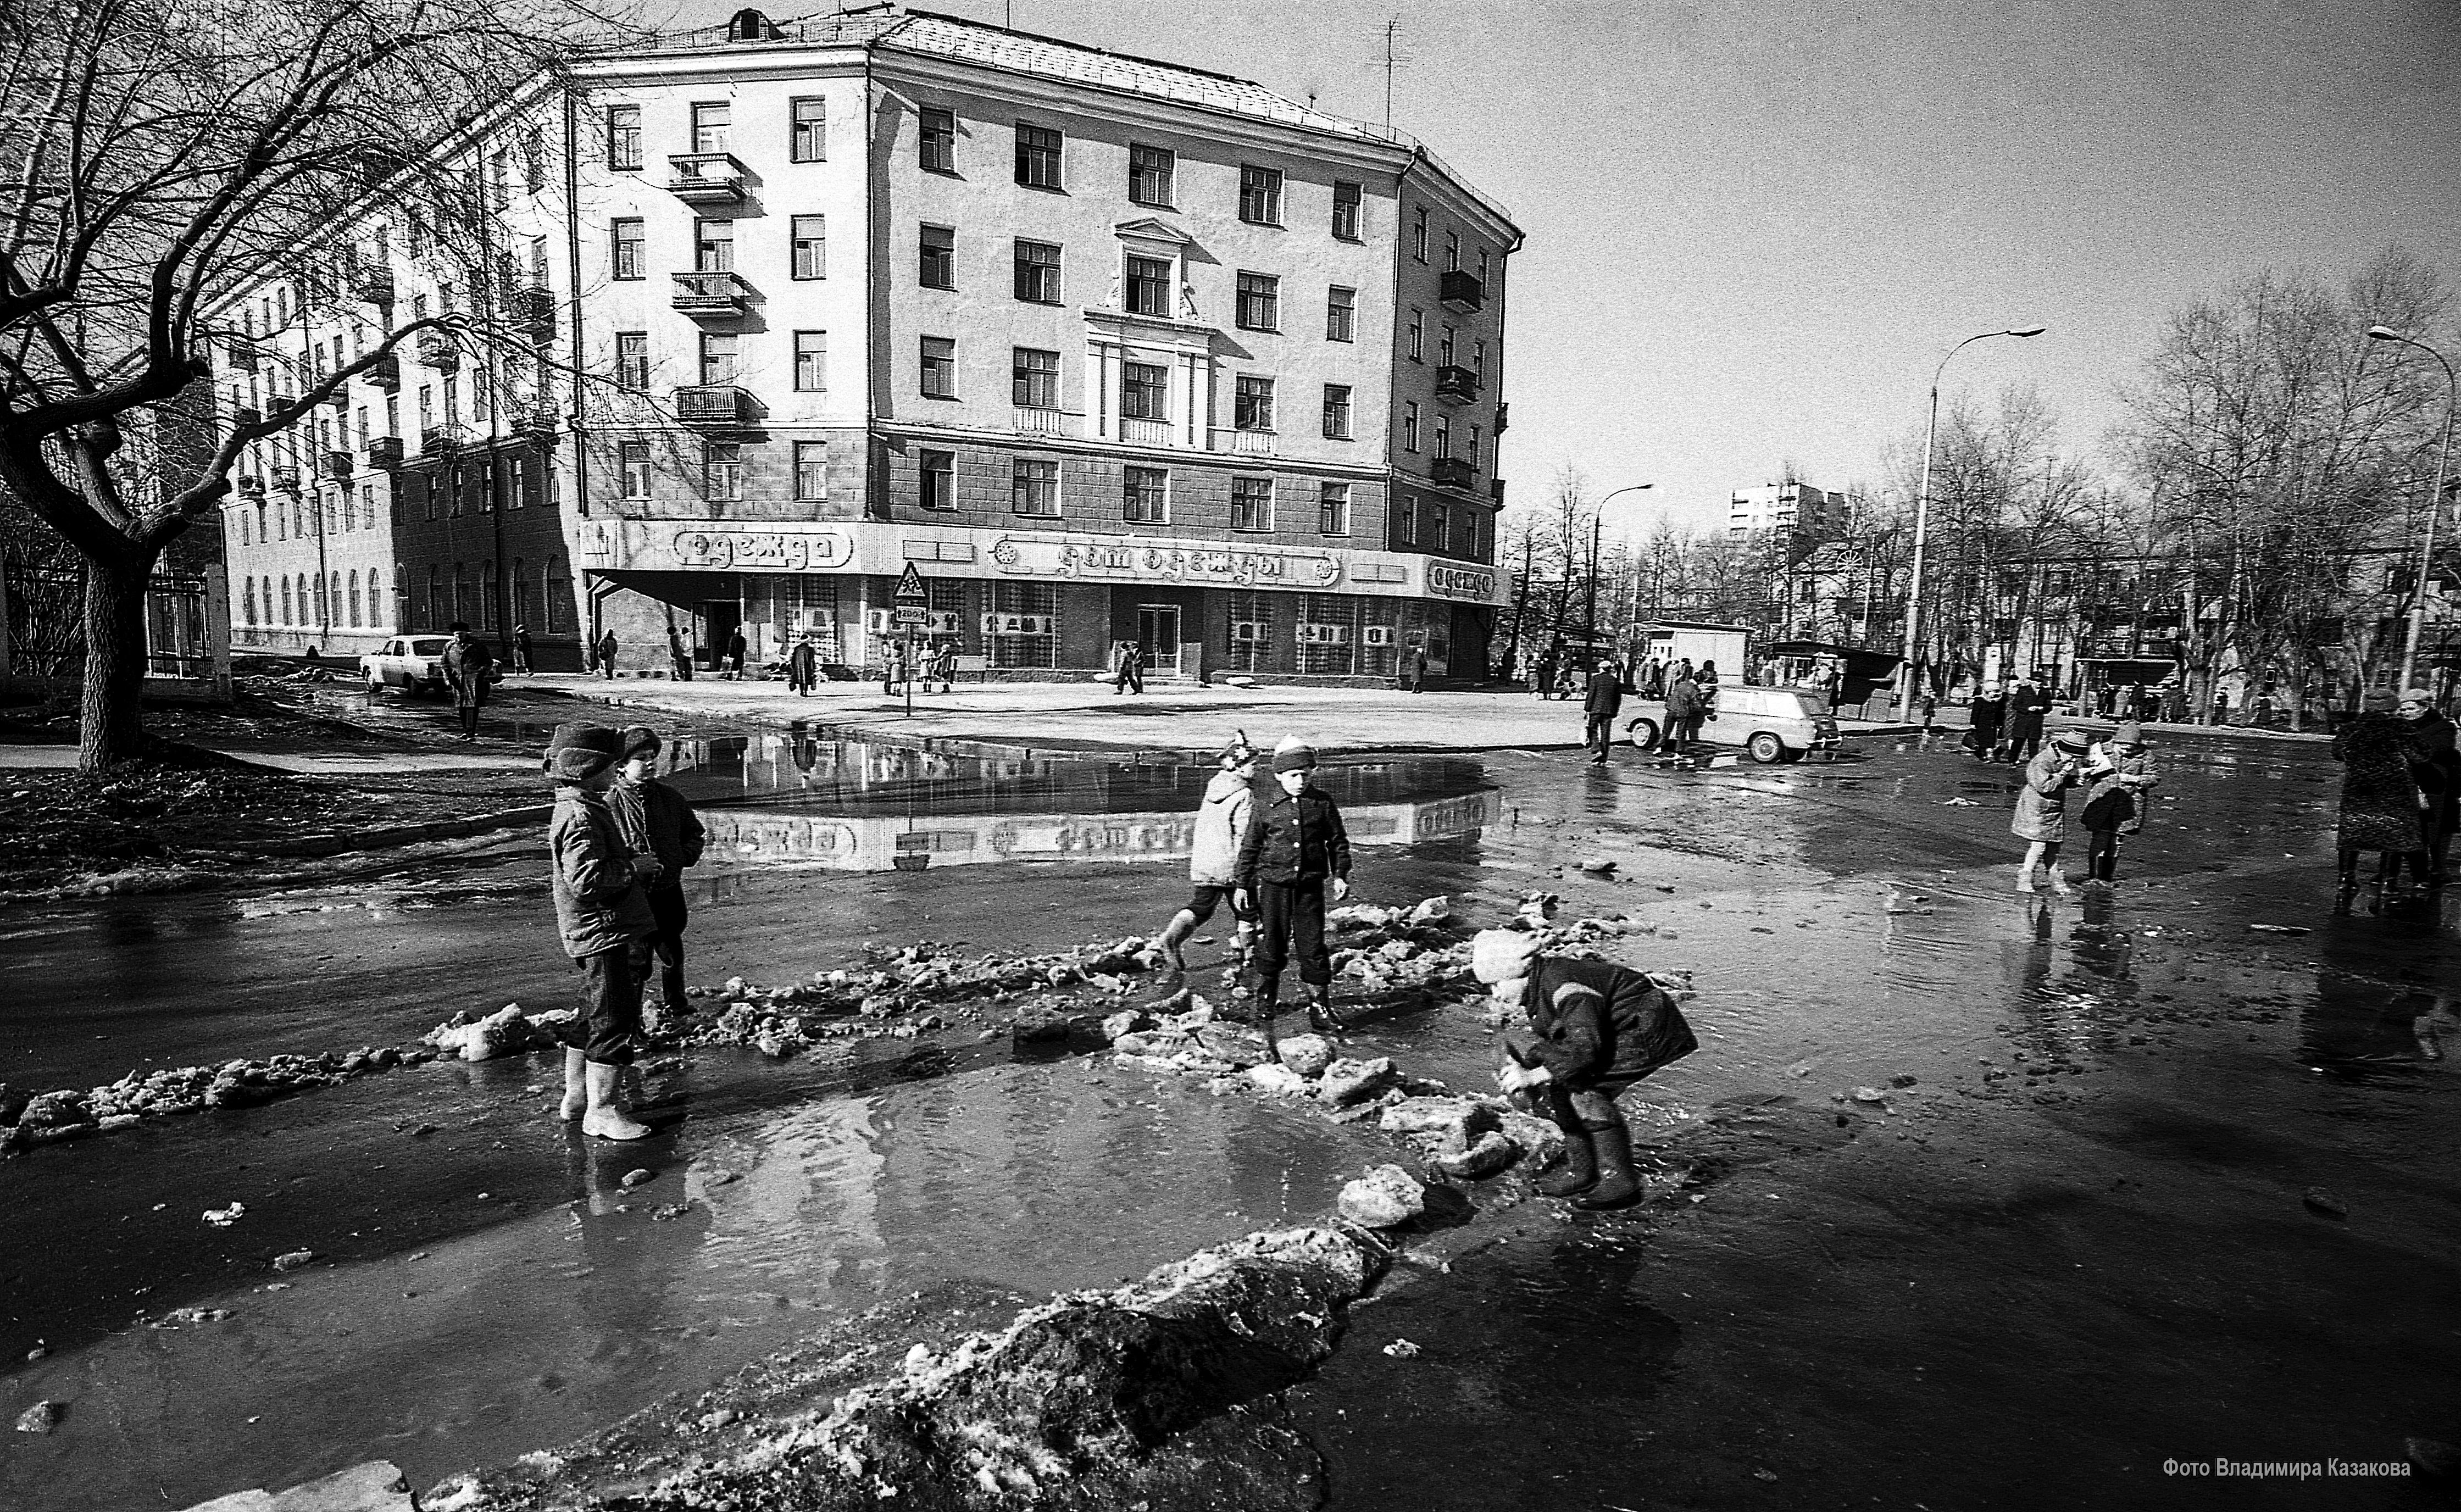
(412, 663)
(1771, 724)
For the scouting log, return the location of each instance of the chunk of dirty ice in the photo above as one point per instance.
(1348, 1081)
(639, 1178)
(1307, 1054)
(1280, 1081)
(293, 1260)
(1402, 1349)
(1870, 1094)
(42, 1417)
(1384, 1198)
(224, 1217)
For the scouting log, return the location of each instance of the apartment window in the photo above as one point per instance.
(1252, 503)
(1445, 348)
(452, 400)
(1038, 273)
(632, 360)
(1144, 389)
(1444, 436)
(938, 266)
(1410, 425)
(1452, 251)
(939, 479)
(1148, 285)
(1150, 171)
(1418, 233)
(1333, 509)
(1417, 348)
(1035, 489)
(1260, 302)
(811, 471)
(1405, 519)
(809, 134)
(721, 470)
(1037, 157)
(1260, 195)
(939, 367)
(1145, 494)
(392, 414)
(1251, 405)
(938, 141)
(499, 172)
(1337, 412)
(1345, 211)
(710, 121)
(811, 361)
(1469, 454)
(1035, 376)
(719, 351)
(1440, 532)
(1482, 264)
(1478, 356)
(1341, 313)
(534, 159)
(626, 238)
(714, 247)
(810, 246)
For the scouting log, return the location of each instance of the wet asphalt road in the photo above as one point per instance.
(2023, 1290)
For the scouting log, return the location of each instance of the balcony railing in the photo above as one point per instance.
(1149, 433)
(286, 479)
(707, 296)
(1453, 472)
(1496, 489)
(340, 397)
(437, 350)
(534, 311)
(705, 178)
(1456, 385)
(336, 465)
(385, 372)
(1504, 417)
(243, 418)
(716, 404)
(1045, 422)
(443, 440)
(384, 451)
(374, 286)
(1245, 443)
(538, 421)
(1462, 291)
(252, 486)
(241, 358)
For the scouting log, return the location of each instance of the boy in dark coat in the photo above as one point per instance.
(1295, 849)
(469, 667)
(1593, 1030)
(659, 822)
(604, 920)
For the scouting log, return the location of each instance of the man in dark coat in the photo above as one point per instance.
(1604, 700)
(659, 822)
(1983, 718)
(1685, 709)
(802, 666)
(677, 656)
(1592, 1029)
(2021, 741)
(469, 667)
(1295, 849)
(1418, 679)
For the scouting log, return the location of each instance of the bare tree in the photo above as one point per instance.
(160, 155)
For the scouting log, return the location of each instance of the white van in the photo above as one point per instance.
(1771, 724)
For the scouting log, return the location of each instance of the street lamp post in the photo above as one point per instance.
(1597, 524)
(1922, 515)
(2434, 501)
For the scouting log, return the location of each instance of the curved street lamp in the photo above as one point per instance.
(1922, 514)
(2434, 501)
(1597, 524)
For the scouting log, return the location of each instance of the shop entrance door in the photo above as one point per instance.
(719, 618)
(1158, 633)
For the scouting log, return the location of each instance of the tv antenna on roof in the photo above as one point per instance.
(1394, 58)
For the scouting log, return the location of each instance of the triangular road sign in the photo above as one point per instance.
(910, 584)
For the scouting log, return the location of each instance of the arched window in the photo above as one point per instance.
(487, 595)
(260, 520)
(375, 601)
(436, 615)
(559, 597)
(242, 527)
(355, 598)
(334, 600)
(323, 615)
(247, 592)
(521, 592)
(461, 591)
(286, 601)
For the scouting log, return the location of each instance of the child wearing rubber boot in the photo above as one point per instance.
(659, 822)
(1593, 1029)
(1214, 860)
(1295, 849)
(605, 922)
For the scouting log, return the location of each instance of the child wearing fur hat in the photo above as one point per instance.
(1294, 848)
(2120, 774)
(605, 923)
(659, 822)
(1213, 859)
(1591, 1029)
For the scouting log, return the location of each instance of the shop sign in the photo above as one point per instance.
(764, 550)
(1469, 585)
(1151, 563)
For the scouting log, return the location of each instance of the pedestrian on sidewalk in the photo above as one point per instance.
(2021, 738)
(1295, 850)
(1127, 667)
(803, 667)
(1984, 717)
(1684, 708)
(2382, 808)
(522, 663)
(944, 668)
(1591, 1029)
(2435, 765)
(1417, 678)
(737, 648)
(606, 650)
(2119, 774)
(604, 920)
(679, 658)
(659, 822)
(898, 669)
(469, 667)
(1603, 701)
(1213, 859)
(1929, 707)
(1542, 675)
(2041, 817)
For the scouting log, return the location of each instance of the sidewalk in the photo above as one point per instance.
(1020, 721)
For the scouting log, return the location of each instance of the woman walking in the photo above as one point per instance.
(2120, 774)
(2041, 809)
(2380, 797)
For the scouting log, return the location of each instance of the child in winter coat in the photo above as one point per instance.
(1593, 1030)
(659, 822)
(1214, 861)
(1294, 850)
(2042, 808)
(605, 923)
(2119, 774)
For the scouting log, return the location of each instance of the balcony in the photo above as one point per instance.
(705, 178)
(1503, 417)
(1453, 472)
(286, 479)
(334, 465)
(537, 421)
(534, 311)
(247, 417)
(241, 358)
(443, 440)
(1456, 385)
(385, 372)
(1462, 292)
(374, 286)
(1045, 422)
(1243, 443)
(1495, 490)
(339, 398)
(384, 452)
(252, 486)
(712, 296)
(719, 405)
(1149, 433)
(437, 350)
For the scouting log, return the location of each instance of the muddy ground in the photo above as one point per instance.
(2085, 1242)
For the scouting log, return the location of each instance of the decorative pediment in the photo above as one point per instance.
(1149, 229)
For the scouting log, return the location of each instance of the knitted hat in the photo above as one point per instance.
(1501, 955)
(2377, 700)
(1293, 754)
(1239, 752)
(2131, 733)
(638, 738)
(2417, 695)
(2072, 740)
(576, 752)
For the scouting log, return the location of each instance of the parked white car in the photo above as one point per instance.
(415, 664)
(1771, 724)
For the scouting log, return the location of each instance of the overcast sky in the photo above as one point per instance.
(1755, 226)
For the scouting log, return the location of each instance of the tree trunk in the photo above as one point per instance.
(111, 726)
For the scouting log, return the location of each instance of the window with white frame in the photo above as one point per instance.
(1145, 390)
(1034, 488)
(811, 361)
(808, 130)
(1260, 302)
(1333, 509)
(1144, 495)
(811, 471)
(1252, 403)
(1252, 503)
(809, 242)
(721, 470)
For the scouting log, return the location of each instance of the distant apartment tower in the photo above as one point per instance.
(1793, 509)
(1108, 349)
